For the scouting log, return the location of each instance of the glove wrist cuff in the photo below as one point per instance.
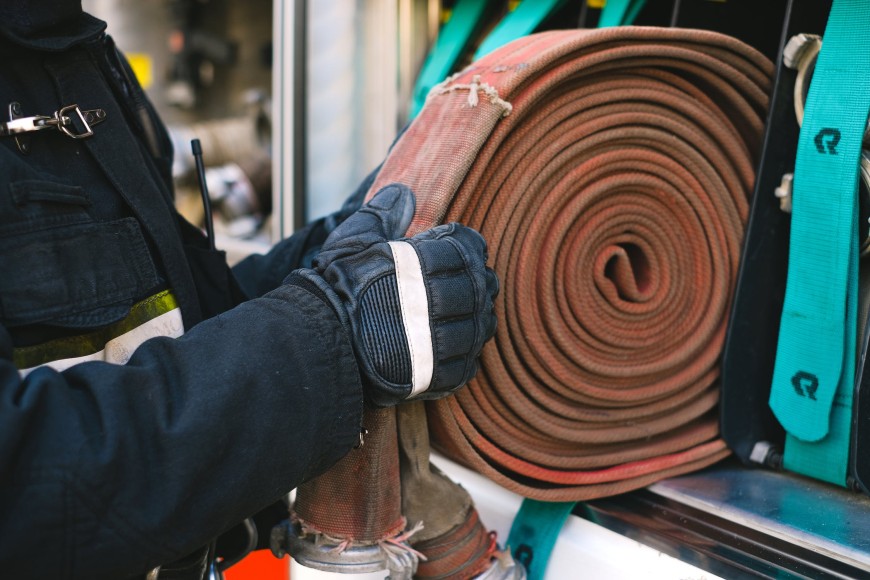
(309, 280)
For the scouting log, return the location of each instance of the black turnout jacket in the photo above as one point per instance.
(107, 470)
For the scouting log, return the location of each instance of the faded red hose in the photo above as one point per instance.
(358, 501)
(609, 170)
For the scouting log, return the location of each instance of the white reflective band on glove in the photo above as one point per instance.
(415, 314)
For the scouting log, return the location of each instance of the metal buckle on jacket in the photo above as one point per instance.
(69, 120)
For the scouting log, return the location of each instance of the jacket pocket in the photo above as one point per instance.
(35, 203)
(79, 276)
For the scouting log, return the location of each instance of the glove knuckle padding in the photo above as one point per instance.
(453, 259)
(449, 283)
(451, 295)
(436, 232)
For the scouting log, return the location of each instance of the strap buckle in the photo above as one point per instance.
(65, 120)
(70, 120)
(67, 125)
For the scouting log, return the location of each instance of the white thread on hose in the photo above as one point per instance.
(473, 88)
(415, 314)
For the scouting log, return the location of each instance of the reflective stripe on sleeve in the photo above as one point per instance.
(158, 315)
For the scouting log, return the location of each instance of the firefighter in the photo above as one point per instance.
(152, 398)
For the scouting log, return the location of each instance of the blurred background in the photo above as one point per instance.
(294, 102)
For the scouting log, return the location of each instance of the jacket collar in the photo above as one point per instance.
(50, 25)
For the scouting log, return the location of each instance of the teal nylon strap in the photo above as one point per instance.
(523, 20)
(534, 531)
(452, 40)
(619, 12)
(813, 379)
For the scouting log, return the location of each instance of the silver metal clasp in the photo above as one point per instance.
(70, 120)
(29, 124)
(67, 125)
(21, 141)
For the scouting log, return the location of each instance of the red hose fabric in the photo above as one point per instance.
(609, 171)
(358, 501)
(465, 552)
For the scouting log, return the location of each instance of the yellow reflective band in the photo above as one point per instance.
(157, 315)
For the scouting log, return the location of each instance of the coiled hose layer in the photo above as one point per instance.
(609, 171)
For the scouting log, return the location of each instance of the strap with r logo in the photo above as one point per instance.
(813, 381)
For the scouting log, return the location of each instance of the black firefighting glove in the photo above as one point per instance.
(419, 309)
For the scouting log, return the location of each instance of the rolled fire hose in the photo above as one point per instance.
(609, 171)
